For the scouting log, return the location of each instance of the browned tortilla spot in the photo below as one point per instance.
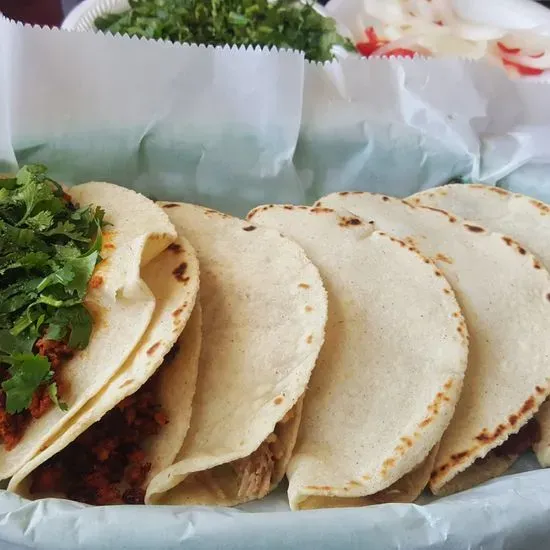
(278, 400)
(321, 210)
(457, 457)
(345, 222)
(303, 285)
(153, 348)
(170, 205)
(386, 465)
(96, 281)
(528, 405)
(443, 258)
(249, 228)
(175, 248)
(180, 271)
(474, 228)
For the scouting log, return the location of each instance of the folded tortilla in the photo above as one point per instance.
(391, 369)
(139, 232)
(175, 289)
(264, 312)
(525, 219)
(504, 293)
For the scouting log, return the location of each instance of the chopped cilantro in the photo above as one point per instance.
(48, 251)
(279, 23)
(27, 372)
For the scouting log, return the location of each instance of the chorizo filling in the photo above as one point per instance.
(106, 464)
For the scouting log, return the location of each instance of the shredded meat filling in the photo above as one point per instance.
(106, 464)
(12, 426)
(255, 472)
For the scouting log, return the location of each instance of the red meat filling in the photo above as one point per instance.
(106, 464)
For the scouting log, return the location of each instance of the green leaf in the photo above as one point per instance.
(11, 345)
(82, 269)
(63, 276)
(31, 194)
(17, 302)
(27, 373)
(75, 321)
(31, 173)
(41, 221)
(52, 392)
(66, 251)
(21, 237)
(8, 183)
(28, 261)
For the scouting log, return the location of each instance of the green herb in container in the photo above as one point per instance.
(282, 24)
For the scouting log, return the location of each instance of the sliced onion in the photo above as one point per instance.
(421, 8)
(414, 25)
(407, 43)
(527, 61)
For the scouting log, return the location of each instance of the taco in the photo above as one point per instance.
(264, 312)
(390, 372)
(504, 292)
(525, 220)
(136, 424)
(70, 279)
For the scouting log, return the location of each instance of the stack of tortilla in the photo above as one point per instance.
(504, 293)
(525, 219)
(253, 337)
(366, 348)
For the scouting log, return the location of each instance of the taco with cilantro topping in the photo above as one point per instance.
(134, 427)
(73, 304)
